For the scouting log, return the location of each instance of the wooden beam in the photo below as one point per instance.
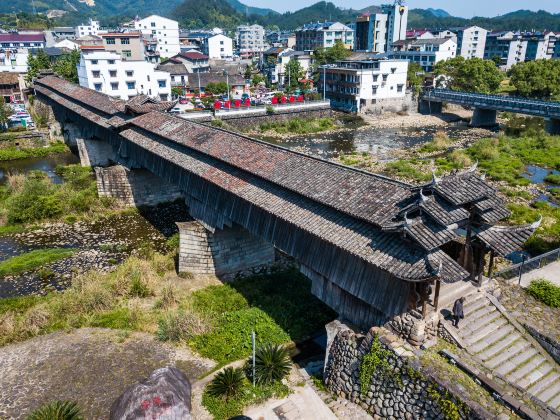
(480, 267)
(491, 265)
(424, 300)
(436, 295)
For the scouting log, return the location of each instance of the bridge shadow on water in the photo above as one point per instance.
(285, 295)
(164, 217)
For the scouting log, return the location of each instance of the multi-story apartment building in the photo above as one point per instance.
(160, 35)
(507, 48)
(426, 52)
(359, 85)
(471, 41)
(378, 31)
(194, 61)
(250, 40)
(323, 35)
(218, 46)
(106, 72)
(92, 28)
(16, 47)
(556, 52)
(129, 45)
(540, 45)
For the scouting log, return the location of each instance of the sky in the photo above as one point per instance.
(463, 8)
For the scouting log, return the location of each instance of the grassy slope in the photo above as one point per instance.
(32, 260)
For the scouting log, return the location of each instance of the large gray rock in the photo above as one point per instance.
(165, 395)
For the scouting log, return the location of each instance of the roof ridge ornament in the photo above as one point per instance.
(435, 179)
(407, 221)
(483, 176)
(535, 225)
(472, 168)
(423, 197)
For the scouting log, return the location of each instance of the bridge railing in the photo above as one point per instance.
(544, 107)
(517, 270)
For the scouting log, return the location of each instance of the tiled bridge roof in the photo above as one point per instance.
(394, 226)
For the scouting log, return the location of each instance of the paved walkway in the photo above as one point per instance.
(303, 404)
(550, 272)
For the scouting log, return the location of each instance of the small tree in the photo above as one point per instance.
(216, 88)
(227, 383)
(470, 75)
(176, 91)
(537, 79)
(5, 113)
(415, 77)
(58, 410)
(67, 66)
(293, 73)
(272, 364)
(37, 63)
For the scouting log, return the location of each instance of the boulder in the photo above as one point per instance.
(165, 394)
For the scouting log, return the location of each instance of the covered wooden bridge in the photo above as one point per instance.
(371, 245)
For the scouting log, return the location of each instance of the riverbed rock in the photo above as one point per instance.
(165, 394)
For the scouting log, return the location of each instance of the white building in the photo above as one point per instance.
(15, 49)
(361, 85)
(507, 48)
(425, 52)
(378, 31)
(13, 61)
(250, 40)
(161, 31)
(92, 28)
(323, 35)
(471, 41)
(218, 47)
(397, 19)
(68, 44)
(106, 72)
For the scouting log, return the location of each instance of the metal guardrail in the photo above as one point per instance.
(517, 270)
(542, 108)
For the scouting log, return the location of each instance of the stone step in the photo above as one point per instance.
(545, 383)
(482, 313)
(480, 302)
(535, 376)
(488, 329)
(475, 324)
(528, 364)
(513, 363)
(449, 293)
(549, 394)
(554, 401)
(520, 345)
(505, 338)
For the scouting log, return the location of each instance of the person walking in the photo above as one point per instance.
(458, 311)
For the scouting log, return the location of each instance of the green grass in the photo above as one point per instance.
(33, 259)
(300, 126)
(547, 236)
(545, 291)
(552, 179)
(14, 152)
(19, 304)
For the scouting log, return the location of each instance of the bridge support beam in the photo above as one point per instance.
(226, 253)
(429, 107)
(92, 152)
(137, 187)
(484, 118)
(552, 126)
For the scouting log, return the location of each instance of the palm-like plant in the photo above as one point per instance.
(227, 383)
(272, 363)
(57, 410)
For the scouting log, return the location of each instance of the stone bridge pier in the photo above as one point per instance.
(484, 118)
(552, 126)
(91, 150)
(226, 252)
(426, 107)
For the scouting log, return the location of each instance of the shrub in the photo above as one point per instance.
(32, 260)
(180, 325)
(57, 410)
(272, 364)
(227, 383)
(545, 291)
(269, 110)
(216, 122)
(173, 242)
(552, 179)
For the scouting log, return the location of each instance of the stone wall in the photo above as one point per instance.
(404, 391)
(406, 104)
(551, 345)
(225, 253)
(413, 328)
(248, 121)
(137, 187)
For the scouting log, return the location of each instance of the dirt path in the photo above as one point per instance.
(91, 366)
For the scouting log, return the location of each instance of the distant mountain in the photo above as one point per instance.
(438, 12)
(250, 10)
(207, 14)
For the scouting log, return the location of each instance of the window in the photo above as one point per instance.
(399, 88)
(93, 61)
(126, 53)
(111, 61)
(112, 73)
(148, 77)
(129, 73)
(110, 41)
(385, 77)
(374, 90)
(96, 73)
(125, 41)
(153, 32)
(153, 24)
(393, 70)
(162, 83)
(114, 86)
(131, 85)
(98, 86)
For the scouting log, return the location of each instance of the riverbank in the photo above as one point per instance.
(416, 120)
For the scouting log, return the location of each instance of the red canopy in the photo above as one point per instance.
(274, 99)
(292, 98)
(227, 104)
(237, 103)
(247, 102)
(283, 99)
(300, 98)
(217, 105)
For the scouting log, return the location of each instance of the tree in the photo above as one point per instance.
(249, 71)
(415, 77)
(177, 91)
(472, 75)
(227, 383)
(537, 79)
(292, 74)
(67, 66)
(37, 63)
(332, 54)
(5, 112)
(216, 88)
(258, 78)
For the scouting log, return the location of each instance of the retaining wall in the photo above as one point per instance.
(247, 121)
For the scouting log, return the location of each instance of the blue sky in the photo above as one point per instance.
(465, 8)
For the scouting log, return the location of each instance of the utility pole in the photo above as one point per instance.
(324, 83)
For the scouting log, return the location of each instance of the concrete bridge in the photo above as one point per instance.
(486, 107)
(372, 246)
